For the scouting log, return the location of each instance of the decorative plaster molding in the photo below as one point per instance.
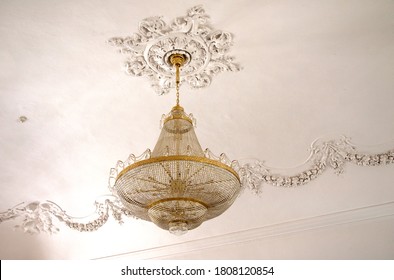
(41, 216)
(332, 154)
(205, 48)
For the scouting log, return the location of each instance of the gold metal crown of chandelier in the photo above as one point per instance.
(177, 187)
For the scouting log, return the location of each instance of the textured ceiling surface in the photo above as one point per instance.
(310, 69)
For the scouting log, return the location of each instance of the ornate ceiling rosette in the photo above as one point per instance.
(205, 49)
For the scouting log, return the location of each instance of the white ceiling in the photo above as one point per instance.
(310, 69)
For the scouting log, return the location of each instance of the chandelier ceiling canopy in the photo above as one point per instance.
(178, 185)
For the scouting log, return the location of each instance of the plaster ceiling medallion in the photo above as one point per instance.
(178, 185)
(205, 50)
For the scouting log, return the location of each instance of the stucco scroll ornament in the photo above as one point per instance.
(35, 217)
(205, 48)
(330, 154)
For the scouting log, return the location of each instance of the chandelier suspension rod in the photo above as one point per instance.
(177, 60)
(177, 78)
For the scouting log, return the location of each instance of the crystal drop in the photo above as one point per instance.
(178, 228)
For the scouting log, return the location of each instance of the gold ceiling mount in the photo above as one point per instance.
(177, 59)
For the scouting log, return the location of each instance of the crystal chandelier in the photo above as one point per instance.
(176, 186)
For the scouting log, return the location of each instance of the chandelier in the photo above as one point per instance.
(178, 185)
